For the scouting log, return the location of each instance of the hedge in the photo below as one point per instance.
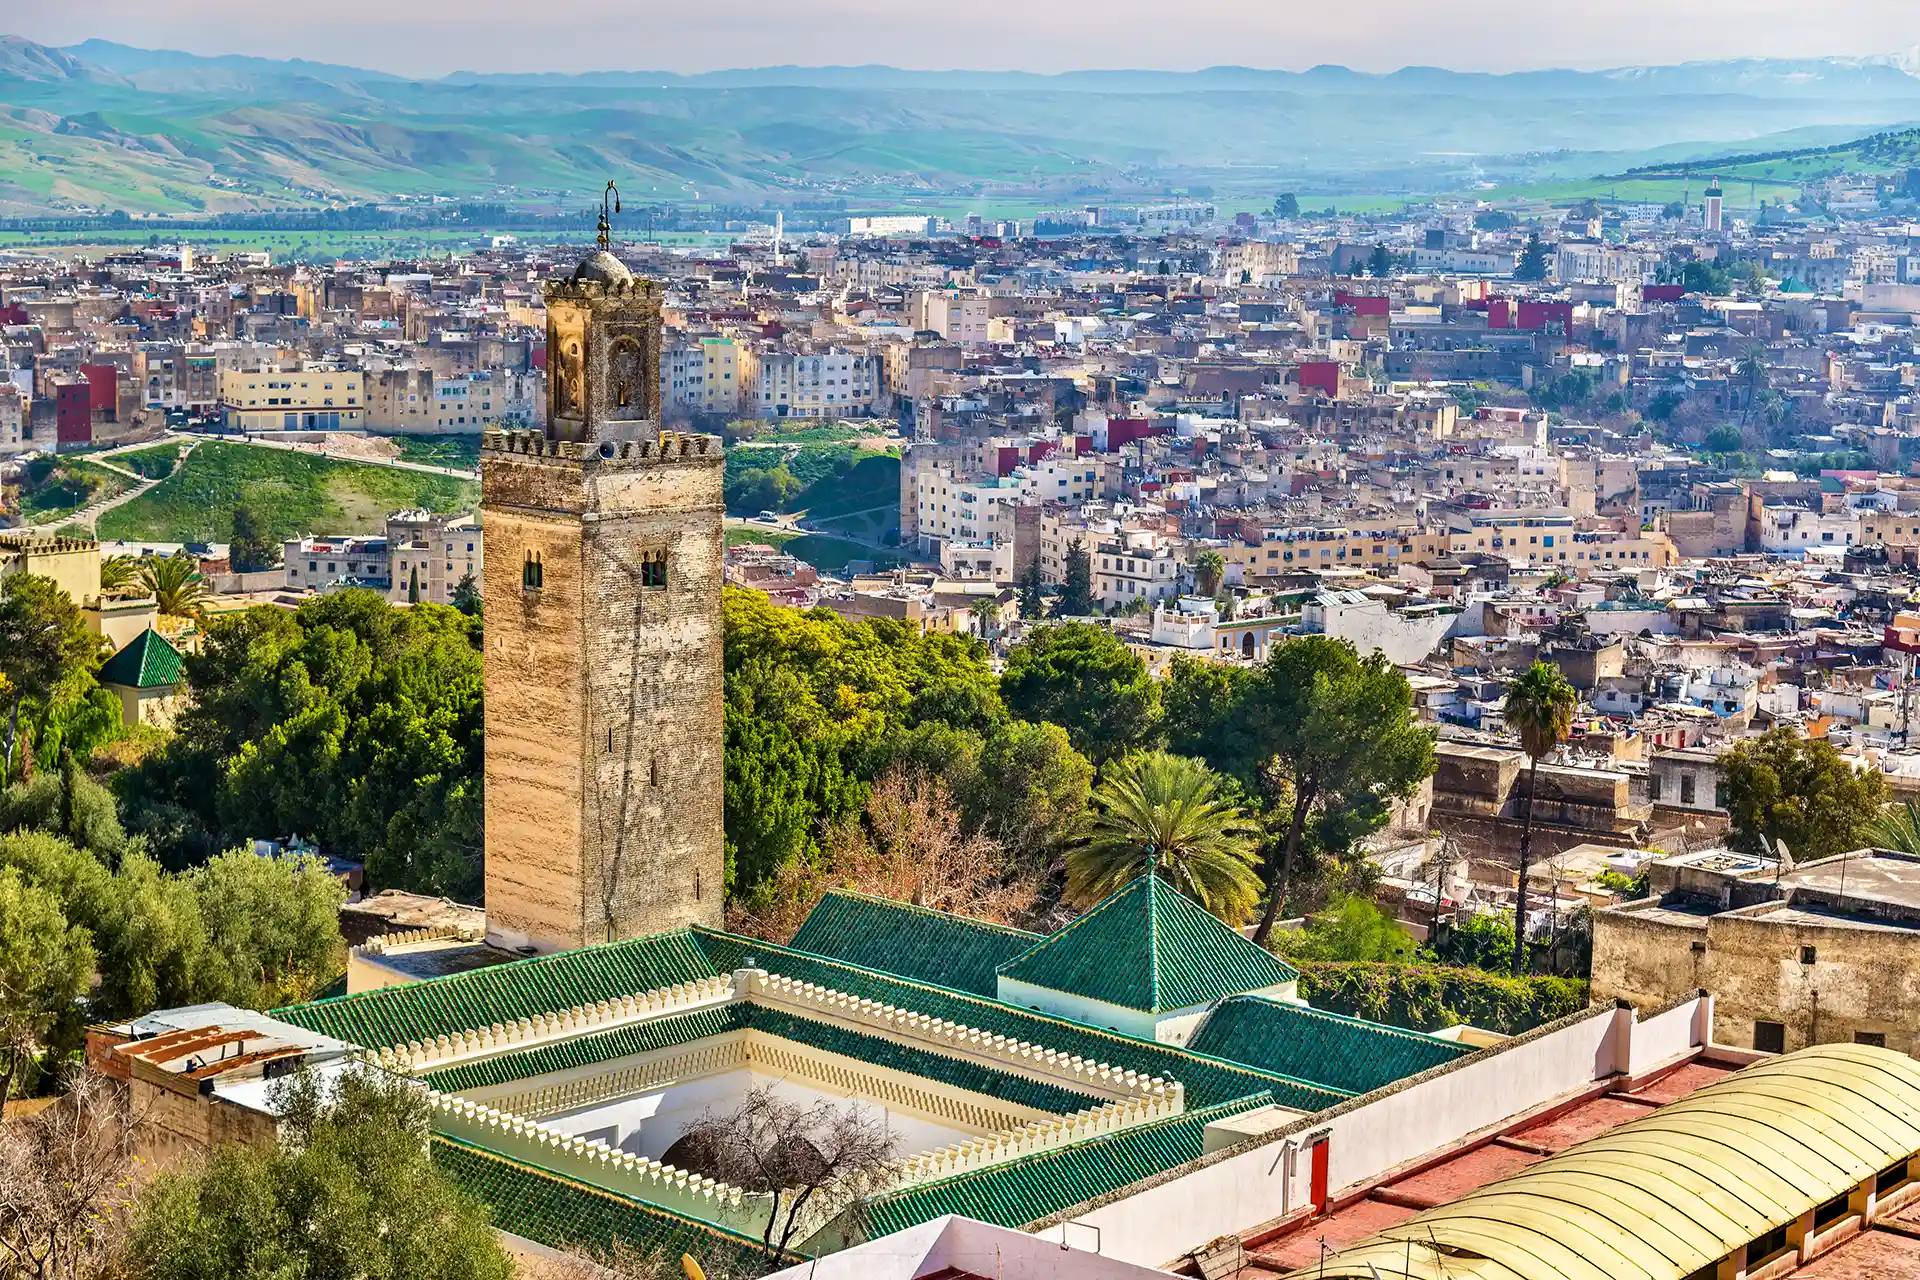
(1434, 997)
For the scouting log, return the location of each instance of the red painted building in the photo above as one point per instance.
(1320, 375)
(72, 413)
(103, 389)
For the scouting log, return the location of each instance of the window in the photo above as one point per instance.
(532, 573)
(1770, 1037)
(653, 573)
(1809, 954)
(1654, 786)
(1686, 788)
(1878, 1039)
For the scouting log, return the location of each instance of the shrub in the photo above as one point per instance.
(1433, 997)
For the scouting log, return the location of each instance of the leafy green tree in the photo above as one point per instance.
(1664, 403)
(466, 596)
(1286, 205)
(45, 964)
(1032, 603)
(1540, 706)
(1380, 262)
(276, 921)
(1484, 942)
(1351, 929)
(1704, 277)
(251, 547)
(1783, 788)
(349, 1193)
(348, 721)
(1157, 814)
(1723, 439)
(175, 584)
(814, 709)
(1030, 790)
(1327, 736)
(1209, 572)
(1086, 680)
(1752, 371)
(1533, 260)
(1076, 594)
(42, 639)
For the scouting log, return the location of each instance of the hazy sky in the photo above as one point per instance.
(432, 37)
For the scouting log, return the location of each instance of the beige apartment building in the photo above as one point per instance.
(307, 400)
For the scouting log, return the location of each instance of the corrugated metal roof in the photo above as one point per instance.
(1660, 1197)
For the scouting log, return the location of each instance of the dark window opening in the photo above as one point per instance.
(1894, 1175)
(1808, 955)
(1878, 1039)
(653, 771)
(653, 574)
(609, 740)
(1767, 1247)
(532, 573)
(1832, 1211)
(1770, 1037)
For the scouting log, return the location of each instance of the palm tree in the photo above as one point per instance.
(1209, 570)
(175, 585)
(1897, 827)
(1540, 707)
(1163, 814)
(986, 614)
(116, 574)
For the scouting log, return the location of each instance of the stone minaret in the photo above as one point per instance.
(603, 640)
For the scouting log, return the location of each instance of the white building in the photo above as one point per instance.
(429, 555)
(15, 410)
(817, 384)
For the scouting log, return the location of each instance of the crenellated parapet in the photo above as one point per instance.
(533, 445)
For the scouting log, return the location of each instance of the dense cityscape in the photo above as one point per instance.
(1119, 729)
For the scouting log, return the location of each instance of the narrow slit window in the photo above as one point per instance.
(532, 573)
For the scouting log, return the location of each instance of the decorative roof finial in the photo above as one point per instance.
(612, 193)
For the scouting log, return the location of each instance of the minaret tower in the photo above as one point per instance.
(603, 638)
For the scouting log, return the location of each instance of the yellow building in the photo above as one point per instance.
(308, 400)
(1373, 544)
(73, 563)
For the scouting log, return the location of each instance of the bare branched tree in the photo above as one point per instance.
(913, 845)
(66, 1181)
(823, 1158)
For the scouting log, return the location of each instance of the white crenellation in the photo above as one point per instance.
(385, 942)
(443, 1051)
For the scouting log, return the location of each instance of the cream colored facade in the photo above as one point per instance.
(73, 563)
(1376, 544)
(309, 400)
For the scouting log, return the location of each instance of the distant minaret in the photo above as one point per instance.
(1714, 198)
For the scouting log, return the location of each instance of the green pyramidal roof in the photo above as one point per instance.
(148, 662)
(1148, 947)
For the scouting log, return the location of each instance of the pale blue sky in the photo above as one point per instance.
(431, 37)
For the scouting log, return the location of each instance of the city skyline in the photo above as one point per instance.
(430, 37)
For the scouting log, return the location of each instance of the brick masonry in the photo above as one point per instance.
(603, 646)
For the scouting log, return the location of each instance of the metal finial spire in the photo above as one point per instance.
(612, 193)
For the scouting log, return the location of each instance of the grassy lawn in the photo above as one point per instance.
(832, 554)
(462, 452)
(292, 493)
(765, 537)
(156, 463)
(69, 486)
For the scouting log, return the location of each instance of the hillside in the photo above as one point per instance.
(292, 493)
(105, 126)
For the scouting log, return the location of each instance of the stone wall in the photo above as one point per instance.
(604, 693)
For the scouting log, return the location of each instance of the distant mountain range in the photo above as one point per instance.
(105, 125)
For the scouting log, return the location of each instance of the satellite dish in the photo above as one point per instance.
(1782, 856)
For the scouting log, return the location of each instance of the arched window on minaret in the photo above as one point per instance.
(532, 573)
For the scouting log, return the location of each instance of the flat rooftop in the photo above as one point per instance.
(1449, 1178)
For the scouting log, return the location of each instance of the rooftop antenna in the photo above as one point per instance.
(604, 238)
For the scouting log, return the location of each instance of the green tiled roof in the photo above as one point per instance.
(662, 1033)
(562, 1213)
(1149, 947)
(506, 992)
(1312, 1044)
(913, 942)
(148, 662)
(1208, 1081)
(1022, 1191)
(622, 1042)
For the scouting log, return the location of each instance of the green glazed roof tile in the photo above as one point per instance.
(1312, 1044)
(912, 942)
(504, 993)
(148, 662)
(1022, 1191)
(1208, 1081)
(1149, 947)
(564, 1214)
(562, 1055)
